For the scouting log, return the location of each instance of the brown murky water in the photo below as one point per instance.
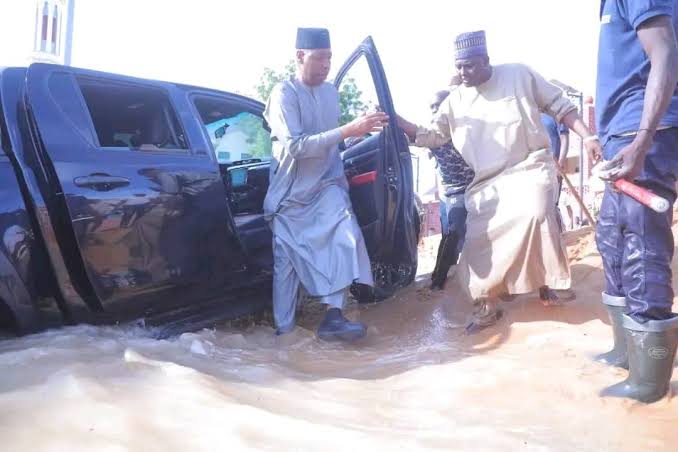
(416, 383)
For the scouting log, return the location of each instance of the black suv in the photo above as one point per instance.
(123, 198)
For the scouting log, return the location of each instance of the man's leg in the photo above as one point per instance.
(457, 220)
(646, 265)
(570, 217)
(611, 247)
(439, 274)
(285, 291)
(444, 223)
(336, 327)
(648, 239)
(651, 329)
(452, 240)
(559, 192)
(610, 241)
(548, 296)
(336, 300)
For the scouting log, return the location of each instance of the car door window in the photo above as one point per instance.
(131, 117)
(357, 93)
(236, 134)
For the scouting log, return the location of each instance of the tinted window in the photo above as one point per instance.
(132, 117)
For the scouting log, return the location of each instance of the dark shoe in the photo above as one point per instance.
(436, 285)
(284, 330)
(336, 327)
(651, 350)
(507, 297)
(616, 357)
(486, 313)
(555, 297)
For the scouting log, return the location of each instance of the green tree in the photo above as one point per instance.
(271, 77)
(258, 138)
(350, 101)
(350, 97)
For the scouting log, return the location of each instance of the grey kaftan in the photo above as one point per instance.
(316, 239)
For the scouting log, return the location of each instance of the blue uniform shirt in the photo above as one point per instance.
(623, 66)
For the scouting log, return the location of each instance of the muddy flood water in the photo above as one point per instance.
(415, 383)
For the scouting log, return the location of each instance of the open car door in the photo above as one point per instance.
(379, 171)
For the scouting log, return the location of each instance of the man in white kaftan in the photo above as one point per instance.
(513, 243)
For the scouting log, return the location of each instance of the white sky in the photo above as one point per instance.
(225, 44)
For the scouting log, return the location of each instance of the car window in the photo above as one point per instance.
(235, 134)
(131, 117)
(357, 92)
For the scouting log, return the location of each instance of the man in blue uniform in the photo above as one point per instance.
(637, 116)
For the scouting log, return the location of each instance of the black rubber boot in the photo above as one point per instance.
(447, 257)
(651, 350)
(336, 327)
(616, 357)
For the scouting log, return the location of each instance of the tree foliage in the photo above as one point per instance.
(350, 96)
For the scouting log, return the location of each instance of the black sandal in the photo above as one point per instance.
(552, 297)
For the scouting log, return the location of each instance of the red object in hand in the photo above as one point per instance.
(642, 195)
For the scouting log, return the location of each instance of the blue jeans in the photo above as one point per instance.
(635, 242)
(453, 216)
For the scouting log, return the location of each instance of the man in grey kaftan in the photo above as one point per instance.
(317, 243)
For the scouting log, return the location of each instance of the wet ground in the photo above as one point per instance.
(415, 383)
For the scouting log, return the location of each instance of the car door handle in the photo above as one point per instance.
(101, 182)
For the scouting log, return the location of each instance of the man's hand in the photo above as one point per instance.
(594, 150)
(562, 163)
(409, 128)
(591, 142)
(629, 162)
(371, 122)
